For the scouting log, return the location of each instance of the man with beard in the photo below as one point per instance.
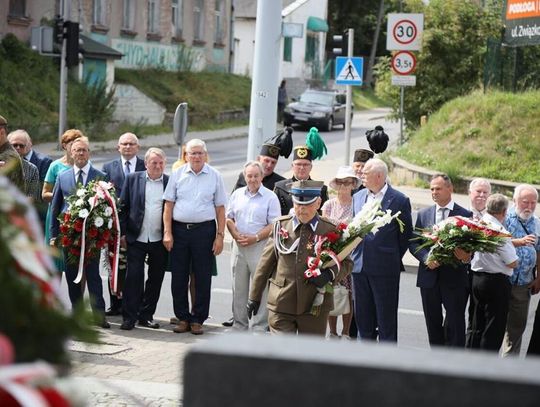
(524, 227)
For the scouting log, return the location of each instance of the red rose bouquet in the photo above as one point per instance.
(90, 225)
(459, 232)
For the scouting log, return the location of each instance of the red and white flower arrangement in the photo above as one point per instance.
(90, 225)
(463, 233)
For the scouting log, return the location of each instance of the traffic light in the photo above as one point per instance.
(72, 44)
(58, 35)
(341, 44)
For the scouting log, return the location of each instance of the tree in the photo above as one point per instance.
(451, 62)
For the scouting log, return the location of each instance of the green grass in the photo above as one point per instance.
(494, 135)
(364, 99)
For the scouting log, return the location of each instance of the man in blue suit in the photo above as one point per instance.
(442, 285)
(141, 222)
(128, 162)
(377, 260)
(66, 185)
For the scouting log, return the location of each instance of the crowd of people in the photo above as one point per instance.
(178, 223)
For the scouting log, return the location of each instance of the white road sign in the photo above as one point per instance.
(404, 32)
(404, 80)
(403, 62)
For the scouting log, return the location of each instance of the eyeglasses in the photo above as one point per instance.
(196, 153)
(17, 145)
(338, 182)
(128, 144)
(80, 150)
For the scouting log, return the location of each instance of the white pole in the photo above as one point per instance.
(401, 99)
(265, 81)
(348, 109)
(62, 108)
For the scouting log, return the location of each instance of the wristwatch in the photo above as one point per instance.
(221, 234)
(257, 238)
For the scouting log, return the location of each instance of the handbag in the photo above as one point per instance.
(341, 301)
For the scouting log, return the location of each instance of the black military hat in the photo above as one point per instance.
(280, 144)
(3, 121)
(377, 139)
(306, 192)
(302, 153)
(362, 155)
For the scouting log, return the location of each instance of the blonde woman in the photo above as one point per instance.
(339, 209)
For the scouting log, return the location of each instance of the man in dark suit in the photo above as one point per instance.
(377, 260)
(128, 162)
(141, 222)
(442, 285)
(66, 185)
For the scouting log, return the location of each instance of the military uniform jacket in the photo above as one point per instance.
(282, 188)
(288, 291)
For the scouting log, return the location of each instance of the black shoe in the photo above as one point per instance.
(228, 323)
(149, 324)
(127, 325)
(103, 324)
(111, 312)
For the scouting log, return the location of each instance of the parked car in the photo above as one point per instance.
(322, 109)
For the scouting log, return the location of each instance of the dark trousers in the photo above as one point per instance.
(192, 251)
(139, 301)
(93, 281)
(116, 302)
(470, 309)
(491, 294)
(376, 306)
(454, 300)
(534, 344)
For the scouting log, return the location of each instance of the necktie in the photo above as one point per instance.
(441, 215)
(127, 168)
(80, 179)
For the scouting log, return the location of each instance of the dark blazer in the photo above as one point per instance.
(42, 162)
(64, 187)
(445, 275)
(383, 251)
(116, 173)
(132, 204)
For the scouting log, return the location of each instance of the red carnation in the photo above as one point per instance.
(459, 222)
(67, 217)
(332, 237)
(100, 244)
(66, 241)
(78, 225)
(64, 228)
(93, 232)
(75, 251)
(106, 234)
(342, 226)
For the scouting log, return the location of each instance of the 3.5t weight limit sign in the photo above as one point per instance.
(404, 32)
(403, 63)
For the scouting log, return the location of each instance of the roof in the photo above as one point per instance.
(93, 48)
(248, 8)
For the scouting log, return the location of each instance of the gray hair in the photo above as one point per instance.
(196, 143)
(156, 151)
(253, 163)
(496, 204)
(524, 187)
(479, 181)
(378, 166)
(22, 133)
(130, 135)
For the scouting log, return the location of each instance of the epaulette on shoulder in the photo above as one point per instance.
(284, 217)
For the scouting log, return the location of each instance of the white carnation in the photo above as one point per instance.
(81, 192)
(79, 202)
(108, 211)
(109, 224)
(98, 222)
(83, 213)
(464, 228)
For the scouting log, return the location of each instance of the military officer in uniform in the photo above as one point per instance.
(283, 262)
(280, 145)
(302, 164)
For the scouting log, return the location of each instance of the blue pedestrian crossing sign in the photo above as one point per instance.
(349, 70)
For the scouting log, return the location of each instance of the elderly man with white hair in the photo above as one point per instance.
(479, 192)
(525, 228)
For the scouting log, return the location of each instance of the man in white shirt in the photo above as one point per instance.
(250, 215)
(491, 287)
(193, 232)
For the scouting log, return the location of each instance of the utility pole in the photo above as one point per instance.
(265, 81)
(62, 109)
(348, 101)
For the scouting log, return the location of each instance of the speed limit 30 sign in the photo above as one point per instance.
(404, 32)
(403, 63)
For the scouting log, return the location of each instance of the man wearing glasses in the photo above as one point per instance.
(301, 167)
(32, 187)
(193, 232)
(116, 170)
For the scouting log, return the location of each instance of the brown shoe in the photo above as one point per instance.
(174, 321)
(196, 329)
(183, 326)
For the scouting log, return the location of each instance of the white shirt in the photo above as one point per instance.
(151, 228)
(132, 164)
(85, 170)
(449, 207)
(195, 196)
(378, 196)
(252, 212)
(494, 263)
